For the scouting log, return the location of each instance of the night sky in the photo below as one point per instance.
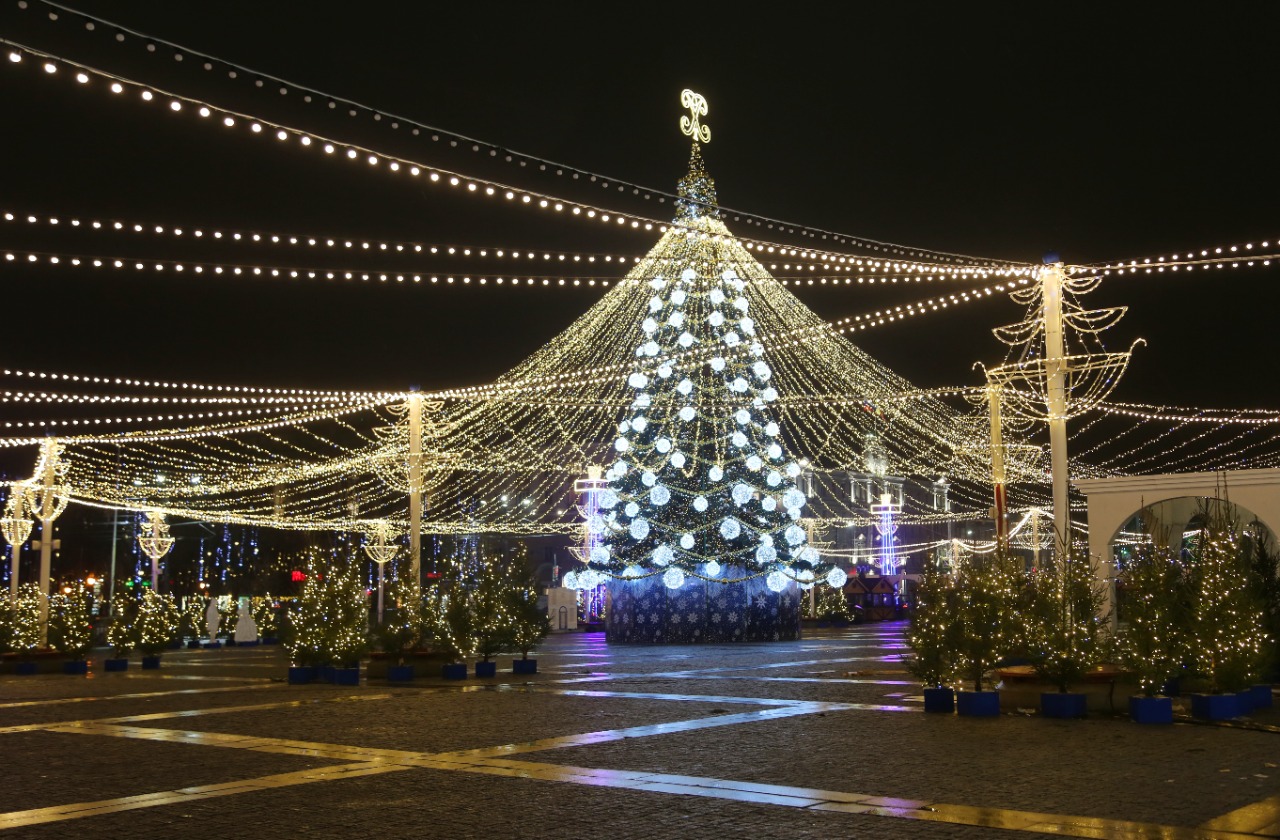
(1092, 132)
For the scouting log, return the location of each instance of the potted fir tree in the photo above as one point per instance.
(1226, 620)
(26, 627)
(71, 630)
(120, 632)
(457, 639)
(1153, 642)
(988, 595)
(329, 628)
(529, 621)
(6, 629)
(191, 627)
(491, 622)
(934, 637)
(155, 625)
(264, 615)
(1066, 633)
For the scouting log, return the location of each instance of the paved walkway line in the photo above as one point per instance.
(1262, 817)
(61, 700)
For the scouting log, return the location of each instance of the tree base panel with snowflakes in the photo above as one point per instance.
(646, 612)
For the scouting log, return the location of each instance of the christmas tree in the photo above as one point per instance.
(6, 625)
(701, 486)
(192, 622)
(1228, 640)
(264, 615)
(1066, 634)
(330, 621)
(1157, 605)
(70, 625)
(26, 618)
(120, 633)
(530, 624)
(155, 623)
(990, 602)
(935, 627)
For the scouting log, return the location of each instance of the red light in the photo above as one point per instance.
(298, 576)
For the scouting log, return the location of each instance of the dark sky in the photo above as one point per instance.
(978, 129)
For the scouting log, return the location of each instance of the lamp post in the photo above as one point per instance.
(47, 497)
(16, 526)
(381, 549)
(155, 542)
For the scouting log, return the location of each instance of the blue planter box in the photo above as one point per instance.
(115, 664)
(486, 669)
(940, 700)
(211, 644)
(399, 673)
(978, 703)
(269, 640)
(150, 663)
(1151, 709)
(1215, 706)
(456, 671)
(175, 645)
(77, 667)
(1261, 696)
(24, 669)
(194, 644)
(524, 666)
(1244, 701)
(1058, 704)
(346, 676)
(301, 674)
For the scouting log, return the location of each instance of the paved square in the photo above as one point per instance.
(818, 738)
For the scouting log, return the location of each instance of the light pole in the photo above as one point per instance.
(381, 549)
(47, 497)
(16, 526)
(155, 542)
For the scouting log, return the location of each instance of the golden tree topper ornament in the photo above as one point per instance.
(697, 105)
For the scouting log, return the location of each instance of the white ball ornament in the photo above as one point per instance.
(769, 503)
(663, 445)
(651, 348)
(684, 387)
(716, 318)
(761, 370)
(631, 509)
(664, 371)
(595, 524)
(637, 380)
(741, 494)
(774, 451)
(794, 535)
(771, 429)
(688, 274)
(686, 541)
(836, 578)
(793, 469)
(740, 304)
(632, 572)
(712, 568)
(732, 339)
(659, 495)
(685, 340)
(608, 500)
(739, 385)
(776, 581)
(643, 400)
(757, 349)
(754, 463)
(657, 283)
(570, 580)
(676, 319)
(639, 424)
(747, 326)
(773, 479)
(677, 460)
(649, 325)
(715, 473)
(620, 468)
(769, 394)
(673, 578)
(810, 555)
(728, 275)
(678, 297)
(793, 498)
(687, 413)
(742, 416)
(639, 529)
(700, 504)
(730, 528)
(648, 479)
(717, 364)
(766, 554)
(622, 444)
(655, 303)
(663, 555)
(738, 439)
(717, 297)
(599, 554)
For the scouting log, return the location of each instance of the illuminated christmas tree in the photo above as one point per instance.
(155, 623)
(990, 612)
(1228, 641)
(70, 625)
(935, 627)
(26, 618)
(6, 625)
(330, 623)
(120, 633)
(1154, 640)
(488, 596)
(1065, 635)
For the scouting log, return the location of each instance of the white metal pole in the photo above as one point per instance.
(415, 488)
(998, 511)
(46, 539)
(1056, 402)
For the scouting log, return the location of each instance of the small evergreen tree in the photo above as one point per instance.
(192, 622)
(1265, 576)
(70, 625)
(1227, 634)
(989, 593)
(832, 603)
(935, 627)
(401, 627)
(120, 633)
(156, 622)
(26, 618)
(492, 624)
(264, 615)
(530, 624)
(1066, 633)
(330, 623)
(1153, 641)
(6, 625)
